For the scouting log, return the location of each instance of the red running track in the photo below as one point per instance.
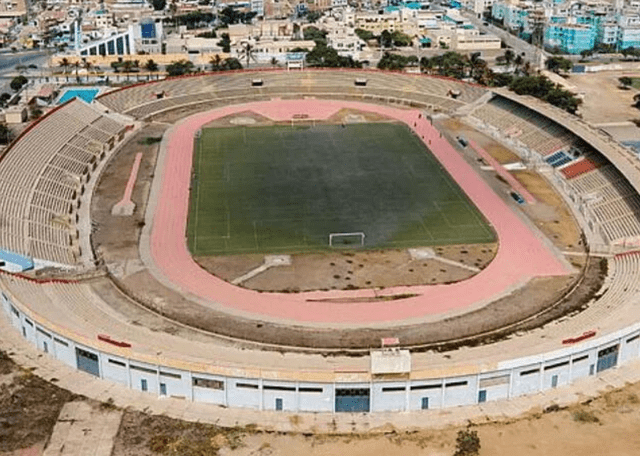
(521, 254)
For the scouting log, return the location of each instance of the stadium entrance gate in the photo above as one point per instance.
(87, 362)
(607, 358)
(353, 399)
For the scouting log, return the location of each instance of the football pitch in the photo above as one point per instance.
(286, 189)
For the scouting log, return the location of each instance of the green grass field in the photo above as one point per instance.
(283, 190)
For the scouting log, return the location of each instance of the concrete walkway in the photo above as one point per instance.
(24, 354)
(83, 430)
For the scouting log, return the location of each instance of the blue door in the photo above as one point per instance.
(482, 396)
(352, 400)
(163, 389)
(278, 404)
(425, 403)
(87, 362)
(607, 358)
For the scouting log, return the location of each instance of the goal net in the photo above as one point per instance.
(346, 239)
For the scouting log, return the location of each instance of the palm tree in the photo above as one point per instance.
(215, 62)
(77, 66)
(151, 66)
(509, 55)
(126, 67)
(64, 63)
(247, 52)
(88, 66)
(274, 62)
(478, 68)
(518, 62)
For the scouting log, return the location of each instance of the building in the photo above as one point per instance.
(145, 36)
(570, 38)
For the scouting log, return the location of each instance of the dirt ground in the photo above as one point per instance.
(29, 407)
(351, 270)
(116, 238)
(550, 214)
(598, 87)
(606, 426)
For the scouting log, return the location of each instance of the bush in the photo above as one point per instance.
(585, 416)
(18, 82)
(467, 443)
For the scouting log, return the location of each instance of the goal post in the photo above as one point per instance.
(346, 239)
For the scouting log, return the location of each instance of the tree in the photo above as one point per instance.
(179, 68)
(127, 65)
(326, 56)
(427, 65)
(88, 66)
(64, 63)
(586, 53)
(229, 15)
(4, 98)
(215, 62)
(558, 64)
(159, 5)
(518, 61)
(232, 64)
(385, 39)
(151, 66)
(35, 112)
(4, 134)
(313, 16)
(500, 79)
(396, 62)
(17, 83)
(400, 39)
(364, 35)
(225, 43)
(479, 69)
(467, 443)
(77, 66)
(274, 62)
(509, 55)
(247, 52)
(542, 88)
(315, 34)
(625, 81)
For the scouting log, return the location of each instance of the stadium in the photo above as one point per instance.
(322, 241)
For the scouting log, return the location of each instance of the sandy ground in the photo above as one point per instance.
(349, 270)
(550, 214)
(606, 426)
(603, 99)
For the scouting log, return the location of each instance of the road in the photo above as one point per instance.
(531, 53)
(9, 61)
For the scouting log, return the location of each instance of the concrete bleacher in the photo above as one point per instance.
(41, 176)
(603, 191)
(535, 131)
(611, 201)
(432, 92)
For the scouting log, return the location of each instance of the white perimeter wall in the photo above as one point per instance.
(512, 378)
